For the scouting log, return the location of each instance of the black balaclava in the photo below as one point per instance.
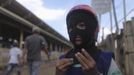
(88, 35)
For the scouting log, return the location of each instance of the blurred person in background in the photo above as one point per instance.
(15, 54)
(32, 50)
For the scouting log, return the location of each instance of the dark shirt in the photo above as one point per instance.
(34, 44)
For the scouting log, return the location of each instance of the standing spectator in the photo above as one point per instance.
(33, 46)
(14, 61)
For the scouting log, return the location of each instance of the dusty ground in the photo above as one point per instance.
(47, 68)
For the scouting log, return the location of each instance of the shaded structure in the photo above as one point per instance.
(16, 22)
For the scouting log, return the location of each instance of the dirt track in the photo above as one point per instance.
(47, 68)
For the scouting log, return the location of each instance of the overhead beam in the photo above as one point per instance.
(29, 24)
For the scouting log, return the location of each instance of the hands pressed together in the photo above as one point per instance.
(88, 64)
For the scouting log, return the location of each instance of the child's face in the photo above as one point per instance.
(80, 27)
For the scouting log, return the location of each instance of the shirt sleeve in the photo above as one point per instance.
(113, 69)
(43, 42)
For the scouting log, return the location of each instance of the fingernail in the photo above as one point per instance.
(78, 53)
(83, 49)
(71, 59)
